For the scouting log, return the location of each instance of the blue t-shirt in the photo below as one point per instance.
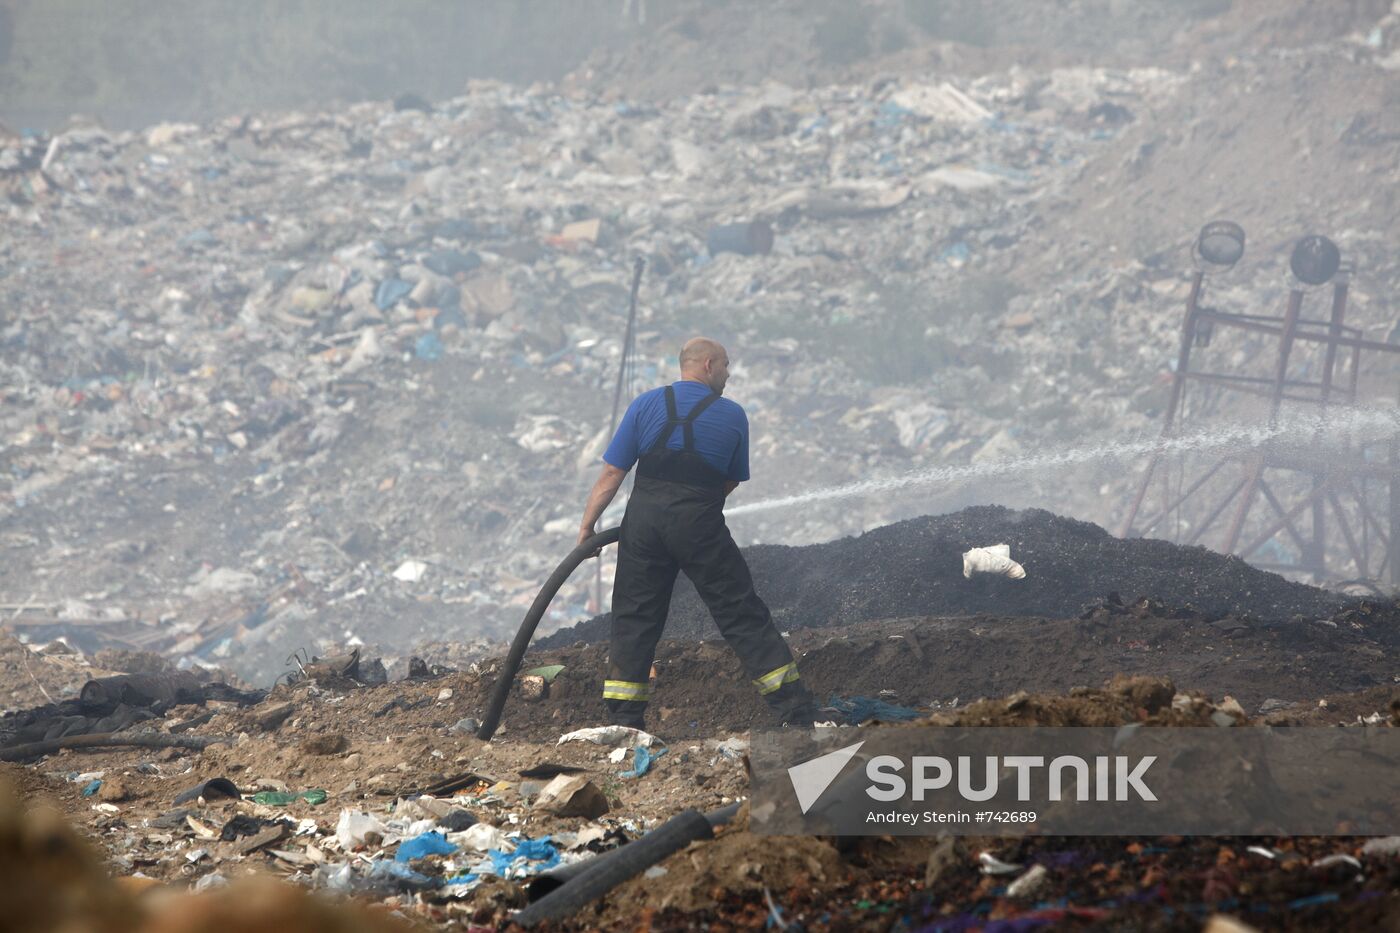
(721, 431)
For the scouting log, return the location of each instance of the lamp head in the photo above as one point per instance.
(1315, 260)
(1220, 244)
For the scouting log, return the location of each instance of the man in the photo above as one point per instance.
(692, 451)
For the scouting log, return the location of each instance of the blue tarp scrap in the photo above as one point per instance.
(396, 874)
(531, 857)
(858, 709)
(449, 262)
(92, 787)
(539, 851)
(423, 844)
(390, 292)
(642, 759)
(428, 347)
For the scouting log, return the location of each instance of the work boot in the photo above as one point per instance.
(626, 713)
(793, 705)
(631, 722)
(801, 716)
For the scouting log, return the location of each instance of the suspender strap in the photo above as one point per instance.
(700, 406)
(673, 419)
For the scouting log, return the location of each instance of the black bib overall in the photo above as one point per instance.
(675, 522)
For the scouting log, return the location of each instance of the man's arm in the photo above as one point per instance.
(599, 498)
(739, 461)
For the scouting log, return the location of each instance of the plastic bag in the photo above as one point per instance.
(481, 838)
(642, 759)
(993, 559)
(277, 798)
(610, 735)
(430, 843)
(353, 827)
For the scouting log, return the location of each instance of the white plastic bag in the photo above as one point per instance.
(482, 836)
(610, 735)
(354, 826)
(993, 559)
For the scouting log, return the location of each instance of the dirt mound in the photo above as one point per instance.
(32, 678)
(939, 664)
(690, 47)
(55, 880)
(914, 568)
(734, 882)
(1314, 160)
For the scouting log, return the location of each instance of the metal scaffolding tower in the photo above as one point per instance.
(1327, 514)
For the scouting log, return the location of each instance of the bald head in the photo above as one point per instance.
(704, 360)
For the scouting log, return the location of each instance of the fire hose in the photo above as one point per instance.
(566, 890)
(532, 620)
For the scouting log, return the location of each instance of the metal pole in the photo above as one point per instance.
(624, 372)
(1277, 526)
(1393, 544)
(1182, 497)
(1317, 556)
(1357, 557)
(1244, 323)
(1183, 362)
(1204, 526)
(1285, 349)
(1183, 354)
(1334, 333)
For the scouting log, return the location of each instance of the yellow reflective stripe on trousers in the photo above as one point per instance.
(775, 679)
(625, 690)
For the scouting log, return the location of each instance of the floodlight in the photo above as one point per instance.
(1315, 260)
(1220, 243)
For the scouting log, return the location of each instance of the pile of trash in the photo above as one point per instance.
(440, 847)
(113, 704)
(473, 847)
(41, 673)
(302, 379)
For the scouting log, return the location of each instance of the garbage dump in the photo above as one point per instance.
(916, 567)
(298, 410)
(236, 346)
(372, 818)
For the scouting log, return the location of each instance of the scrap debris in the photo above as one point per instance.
(239, 347)
(364, 343)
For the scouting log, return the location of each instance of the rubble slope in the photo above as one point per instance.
(915, 568)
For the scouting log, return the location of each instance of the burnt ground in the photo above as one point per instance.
(397, 737)
(1289, 654)
(933, 662)
(914, 568)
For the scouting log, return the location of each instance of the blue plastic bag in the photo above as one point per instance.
(428, 347)
(642, 759)
(429, 843)
(531, 857)
(386, 877)
(860, 709)
(390, 292)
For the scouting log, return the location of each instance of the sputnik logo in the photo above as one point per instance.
(811, 778)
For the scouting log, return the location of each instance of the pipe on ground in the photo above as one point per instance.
(556, 878)
(110, 740)
(600, 875)
(532, 619)
(168, 687)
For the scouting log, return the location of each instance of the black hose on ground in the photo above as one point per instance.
(532, 619)
(556, 878)
(110, 740)
(604, 873)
